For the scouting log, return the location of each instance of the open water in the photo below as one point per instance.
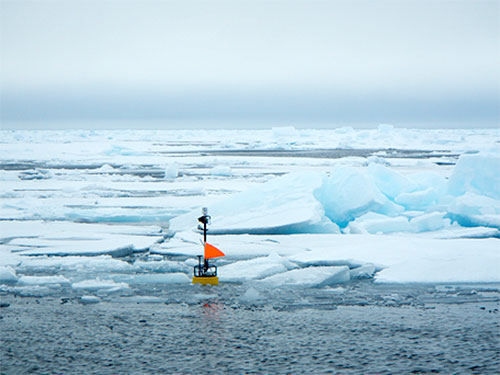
(361, 328)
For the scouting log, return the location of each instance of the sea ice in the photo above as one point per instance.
(471, 210)
(221, 170)
(366, 271)
(172, 171)
(98, 285)
(100, 263)
(388, 181)
(257, 268)
(66, 238)
(429, 222)
(281, 206)
(251, 296)
(479, 174)
(163, 266)
(348, 193)
(376, 223)
(7, 274)
(31, 291)
(42, 280)
(153, 278)
(418, 199)
(310, 277)
(88, 300)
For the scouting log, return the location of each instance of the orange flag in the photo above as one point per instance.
(212, 252)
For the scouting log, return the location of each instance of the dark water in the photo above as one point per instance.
(361, 329)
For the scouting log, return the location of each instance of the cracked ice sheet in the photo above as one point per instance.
(410, 259)
(431, 260)
(65, 238)
(268, 208)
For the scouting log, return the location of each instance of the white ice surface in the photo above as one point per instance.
(64, 238)
(101, 263)
(479, 257)
(42, 280)
(154, 278)
(152, 176)
(283, 205)
(100, 285)
(257, 268)
(310, 277)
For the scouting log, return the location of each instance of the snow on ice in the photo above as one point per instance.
(396, 205)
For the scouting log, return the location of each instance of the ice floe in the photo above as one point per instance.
(392, 205)
(43, 280)
(257, 268)
(309, 277)
(97, 285)
(7, 274)
(281, 206)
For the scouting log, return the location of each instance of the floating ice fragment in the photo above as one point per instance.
(88, 300)
(364, 272)
(42, 280)
(160, 266)
(250, 296)
(7, 274)
(221, 170)
(98, 284)
(311, 277)
(253, 269)
(31, 291)
(155, 278)
(172, 171)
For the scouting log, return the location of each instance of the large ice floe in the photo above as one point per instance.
(362, 203)
(282, 206)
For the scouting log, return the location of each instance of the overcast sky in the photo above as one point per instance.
(250, 63)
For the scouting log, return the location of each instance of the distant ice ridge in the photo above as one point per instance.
(376, 199)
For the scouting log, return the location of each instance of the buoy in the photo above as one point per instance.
(204, 272)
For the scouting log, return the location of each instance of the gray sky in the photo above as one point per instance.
(302, 63)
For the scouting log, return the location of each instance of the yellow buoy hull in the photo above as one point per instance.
(207, 280)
